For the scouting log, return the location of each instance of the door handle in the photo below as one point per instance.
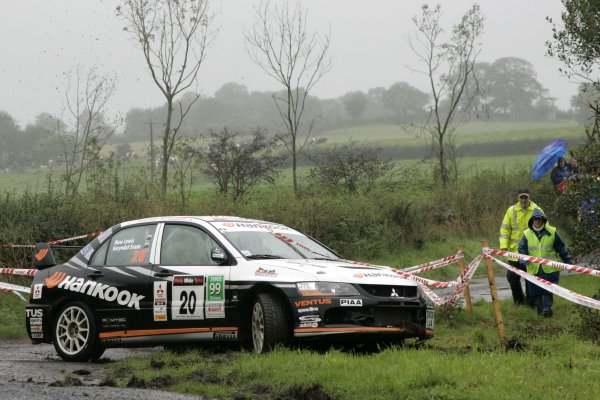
(164, 273)
(95, 275)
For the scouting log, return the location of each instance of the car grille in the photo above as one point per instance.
(390, 290)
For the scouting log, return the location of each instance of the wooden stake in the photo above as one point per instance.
(467, 291)
(495, 301)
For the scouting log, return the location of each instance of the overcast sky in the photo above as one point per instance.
(40, 40)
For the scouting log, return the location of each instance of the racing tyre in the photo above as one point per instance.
(75, 335)
(269, 323)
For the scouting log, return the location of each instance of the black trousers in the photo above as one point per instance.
(514, 281)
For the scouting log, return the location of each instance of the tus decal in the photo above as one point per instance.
(34, 312)
(94, 289)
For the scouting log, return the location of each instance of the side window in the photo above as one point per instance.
(100, 255)
(186, 245)
(130, 246)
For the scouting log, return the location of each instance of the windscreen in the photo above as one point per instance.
(257, 240)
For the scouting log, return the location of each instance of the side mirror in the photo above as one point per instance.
(42, 256)
(218, 255)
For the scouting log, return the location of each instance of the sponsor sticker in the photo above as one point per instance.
(429, 318)
(94, 289)
(114, 322)
(36, 328)
(35, 321)
(37, 291)
(351, 302)
(308, 325)
(361, 275)
(215, 296)
(34, 312)
(267, 273)
(85, 252)
(188, 297)
(160, 301)
(37, 335)
(310, 318)
(312, 302)
(308, 309)
(225, 335)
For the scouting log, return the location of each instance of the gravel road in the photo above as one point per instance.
(28, 372)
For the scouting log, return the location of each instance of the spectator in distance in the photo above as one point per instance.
(542, 241)
(560, 175)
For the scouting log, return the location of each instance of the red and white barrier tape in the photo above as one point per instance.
(428, 282)
(557, 264)
(465, 278)
(463, 281)
(551, 287)
(417, 269)
(14, 289)
(18, 271)
(87, 235)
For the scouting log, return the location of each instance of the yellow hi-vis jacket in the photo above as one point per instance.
(543, 248)
(514, 224)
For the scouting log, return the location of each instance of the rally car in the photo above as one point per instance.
(181, 279)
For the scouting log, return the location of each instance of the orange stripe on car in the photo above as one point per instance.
(41, 254)
(153, 332)
(356, 329)
(55, 279)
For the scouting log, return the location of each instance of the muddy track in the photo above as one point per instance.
(35, 372)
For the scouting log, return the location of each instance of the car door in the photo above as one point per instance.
(121, 270)
(189, 287)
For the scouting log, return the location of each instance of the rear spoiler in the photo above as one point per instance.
(42, 256)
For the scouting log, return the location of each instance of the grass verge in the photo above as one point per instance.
(549, 359)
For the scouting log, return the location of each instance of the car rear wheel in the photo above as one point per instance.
(269, 323)
(75, 335)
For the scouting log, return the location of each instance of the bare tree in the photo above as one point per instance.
(186, 160)
(236, 167)
(174, 36)
(86, 99)
(281, 45)
(449, 67)
(350, 167)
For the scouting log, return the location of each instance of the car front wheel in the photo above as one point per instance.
(269, 323)
(75, 334)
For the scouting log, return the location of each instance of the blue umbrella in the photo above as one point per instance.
(548, 158)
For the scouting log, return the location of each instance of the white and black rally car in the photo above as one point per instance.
(182, 279)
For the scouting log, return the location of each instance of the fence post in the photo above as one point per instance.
(467, 292)
(495, 301)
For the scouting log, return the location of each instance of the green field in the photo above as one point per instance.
(486, 145)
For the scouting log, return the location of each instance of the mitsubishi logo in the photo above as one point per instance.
(394, 294)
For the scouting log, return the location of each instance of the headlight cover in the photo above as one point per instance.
(326, 289)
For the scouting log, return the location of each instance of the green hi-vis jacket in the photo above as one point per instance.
(514, 224)
(541, 248)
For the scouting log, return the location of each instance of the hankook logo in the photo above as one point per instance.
(94, 289)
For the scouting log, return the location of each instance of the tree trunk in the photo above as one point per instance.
(166, 152)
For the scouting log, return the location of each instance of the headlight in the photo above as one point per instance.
(326, 289)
